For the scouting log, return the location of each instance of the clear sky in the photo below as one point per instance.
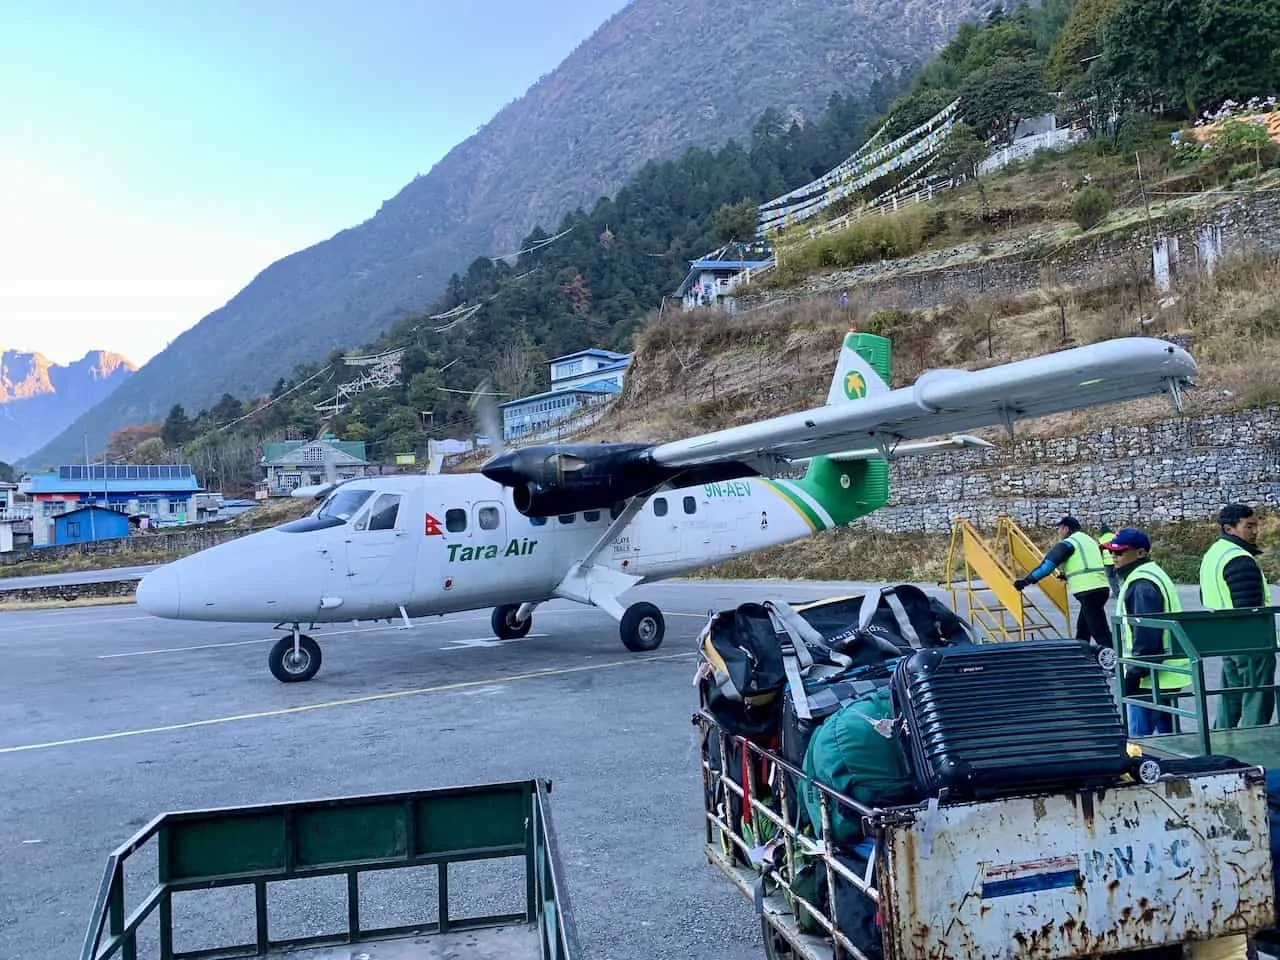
(155, 156)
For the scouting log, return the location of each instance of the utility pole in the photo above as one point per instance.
(88, 469)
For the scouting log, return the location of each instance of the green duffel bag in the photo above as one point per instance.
(850, 755)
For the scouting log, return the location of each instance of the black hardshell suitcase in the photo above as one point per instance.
(997, 718)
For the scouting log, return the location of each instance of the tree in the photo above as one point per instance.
(961, 153)
(123, 442)
(1197, 51)
(177, 428)
(735, 222)
(995, 99)
(1080, 40)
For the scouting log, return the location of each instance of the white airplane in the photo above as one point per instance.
(587, 522)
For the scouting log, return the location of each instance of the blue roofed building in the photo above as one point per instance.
(89, 525)
(715, 275)
(161, 492)
(581, 383)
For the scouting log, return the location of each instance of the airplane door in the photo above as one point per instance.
(380, 549)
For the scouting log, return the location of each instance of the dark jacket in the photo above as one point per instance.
(1244, 577)
(1142, 598)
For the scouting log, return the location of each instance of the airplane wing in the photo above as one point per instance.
(943, 401)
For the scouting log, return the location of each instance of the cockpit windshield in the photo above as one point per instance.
(334, 512)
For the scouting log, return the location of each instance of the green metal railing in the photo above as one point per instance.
(1198, 635)
(345, 836)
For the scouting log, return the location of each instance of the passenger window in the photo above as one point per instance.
(383, 514)
(690, 505)
(660, 507)
(538, 521)
(591, 516)
(488, 518)
(455, 520)
(568, 517)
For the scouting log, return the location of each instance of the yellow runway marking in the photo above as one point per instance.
(349, 701)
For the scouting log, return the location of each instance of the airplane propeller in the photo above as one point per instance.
(485, 410)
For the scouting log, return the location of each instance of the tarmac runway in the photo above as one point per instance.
(109, 716)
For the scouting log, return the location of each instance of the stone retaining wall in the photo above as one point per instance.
(1178, 469)
(177, 541)
(102, 589)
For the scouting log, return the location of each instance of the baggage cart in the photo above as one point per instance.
(1057, 874)
(350, 837)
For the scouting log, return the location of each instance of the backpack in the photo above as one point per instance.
(885, 624)
(850, 754)
(747, 658)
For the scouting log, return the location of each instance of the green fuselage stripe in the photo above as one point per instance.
(806, 512)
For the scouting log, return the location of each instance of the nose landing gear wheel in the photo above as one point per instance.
(290, 667)
(504, 623)
(642, 627)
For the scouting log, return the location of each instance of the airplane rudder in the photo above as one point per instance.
(863, 369)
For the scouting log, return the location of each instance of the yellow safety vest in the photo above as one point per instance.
(1084, 569)
(1214, 592)
(1108, 558)
(1154, 574)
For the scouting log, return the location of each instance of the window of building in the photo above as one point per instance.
(313, 455)
(455, 520)
(73, 528)
(568, 517)
(384, 512)
(660, 506)
(690, 505)
(488, 518)
(591, 516)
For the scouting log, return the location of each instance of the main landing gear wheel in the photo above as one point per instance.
(506, 626)
(642, 627)
(290, 667)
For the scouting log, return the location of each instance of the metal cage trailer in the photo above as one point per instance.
(1073, 873)
(259, 847)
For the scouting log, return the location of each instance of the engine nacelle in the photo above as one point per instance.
(555, 479)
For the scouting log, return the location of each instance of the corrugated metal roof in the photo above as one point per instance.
(589, 352)
(352, 448)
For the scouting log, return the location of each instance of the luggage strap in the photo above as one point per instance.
(797, 658)
(871, 603)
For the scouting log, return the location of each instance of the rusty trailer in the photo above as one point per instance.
(1082, 873)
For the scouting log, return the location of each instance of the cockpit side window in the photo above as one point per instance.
(383, 514)
(334, 512)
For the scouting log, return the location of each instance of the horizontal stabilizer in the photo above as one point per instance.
(958, 442)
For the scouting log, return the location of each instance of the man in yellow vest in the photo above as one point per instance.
(1078, 560)
(1230, 579)
(1146, 590)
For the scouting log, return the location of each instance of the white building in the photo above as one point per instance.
(580, 382)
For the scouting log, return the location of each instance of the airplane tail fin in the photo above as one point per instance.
(848, 490)
(863, 369)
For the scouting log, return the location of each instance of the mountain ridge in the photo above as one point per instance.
(621, 98)
(39, 397)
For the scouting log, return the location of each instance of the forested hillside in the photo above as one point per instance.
(610, 265)
(658, 77)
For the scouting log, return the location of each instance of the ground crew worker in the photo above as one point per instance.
(1145, 589)
(1078, 560)
(1109, 560)
(1230, 579)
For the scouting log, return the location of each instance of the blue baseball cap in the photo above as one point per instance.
(1128, 538)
